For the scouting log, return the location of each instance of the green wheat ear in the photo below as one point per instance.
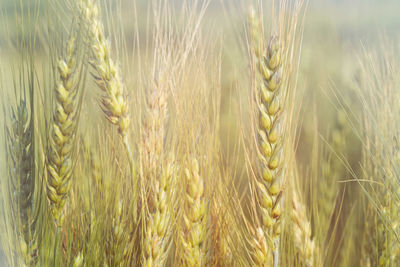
(20, 159)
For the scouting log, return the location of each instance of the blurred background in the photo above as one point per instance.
(335, 34)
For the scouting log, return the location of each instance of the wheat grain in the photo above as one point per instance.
(261, 255)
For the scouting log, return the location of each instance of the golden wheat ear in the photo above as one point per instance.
(273, 71)
(158, 229)
(108, 78)
(62, 138)
(270, 136)
(302, 231)
(270, 131)
(194, 229)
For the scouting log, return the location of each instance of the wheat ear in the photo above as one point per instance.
(302, 231)
(119, 235)
(108, 78)
(220, 224)
(332, 171)
(158, 228)
(193, 232)
(269, 101)
(108, 74)
(158, 176)
(270, 139)
(63, 132)
(22, 174)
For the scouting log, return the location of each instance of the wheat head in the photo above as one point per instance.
(22, 179)
(63, 131)
(193, 232)
(332, 170)
(108, 75)
(270, 138)
(158, 228)
(109, 80)
(302, 231)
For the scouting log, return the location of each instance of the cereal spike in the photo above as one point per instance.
(62, 137)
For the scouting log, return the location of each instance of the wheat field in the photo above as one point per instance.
(199, 133)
